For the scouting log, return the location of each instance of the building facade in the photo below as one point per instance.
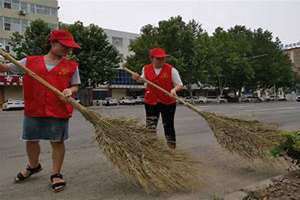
(15, 16)
(294, 54)
(122, 85)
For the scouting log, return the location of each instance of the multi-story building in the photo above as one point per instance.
(293, 51)
(15, 16)
(294, 54)
(122, 85)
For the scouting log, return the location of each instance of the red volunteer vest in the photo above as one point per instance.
(40, 101)
(164, 79)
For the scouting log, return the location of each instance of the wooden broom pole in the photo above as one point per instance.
(70, 100)
(166, 92)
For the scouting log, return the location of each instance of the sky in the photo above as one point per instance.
(278, 16)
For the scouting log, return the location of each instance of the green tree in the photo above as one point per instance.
(34, 41)
(179, 39)
(97, 58)
(273, 68)
(227, 66)
(242, 58)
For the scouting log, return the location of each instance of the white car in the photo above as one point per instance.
(127, 101)
(110, 102)
(281, 98)
(139, 100)
(216, 100)
(13, 105)
(202, 99)
(298, 98)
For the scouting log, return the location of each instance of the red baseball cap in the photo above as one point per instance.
(158, 53)
(63, 37)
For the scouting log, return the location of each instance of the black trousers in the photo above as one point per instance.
(167, 113)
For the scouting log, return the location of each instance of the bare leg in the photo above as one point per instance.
(33, 153)
(58, 154)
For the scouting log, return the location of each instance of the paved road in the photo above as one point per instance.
(91, 176)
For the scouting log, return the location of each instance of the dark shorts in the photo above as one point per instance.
(45, 128)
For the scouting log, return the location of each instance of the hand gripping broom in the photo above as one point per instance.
(249, 139)
(138, 153)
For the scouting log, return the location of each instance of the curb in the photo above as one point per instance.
(242, 193)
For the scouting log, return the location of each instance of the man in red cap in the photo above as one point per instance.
(157, 102)
(46, 117)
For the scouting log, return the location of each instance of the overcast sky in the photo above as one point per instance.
(278, 16)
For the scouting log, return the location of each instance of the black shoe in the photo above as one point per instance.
(30, 171)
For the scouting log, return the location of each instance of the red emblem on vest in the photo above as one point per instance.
(40, 101)
(163, 79)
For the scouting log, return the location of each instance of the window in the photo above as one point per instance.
(123, 78)
(43, 10)
(24, 25)
(117, 41)
(53, 11)
(39, 9)
(1, 43)
(7, 4)
(15, 25)
(15, 4)
(24, 7)
(12, 24)
(46, 10)
(7, 24)
(32, 8)
(1, 23)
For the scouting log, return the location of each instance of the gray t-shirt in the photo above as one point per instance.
(16, 70)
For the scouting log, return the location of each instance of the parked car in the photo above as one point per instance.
(13, 105)
(281, 98)
(110, 101)
(139, 100)
(298, 98)
(270, 98)
(202, 99)
(127, 101)
(222, 100)
(99, 102)
(251, 99)
(192, 99)
(213, 99)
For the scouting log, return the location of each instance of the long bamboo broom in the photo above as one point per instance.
(138, 153)
(249, 139)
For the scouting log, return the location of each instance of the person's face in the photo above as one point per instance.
(59, 49)
(158, 62)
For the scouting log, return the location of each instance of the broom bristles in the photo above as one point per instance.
(249, 139)
(142, 157)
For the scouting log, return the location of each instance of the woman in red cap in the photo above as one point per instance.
(157, 102)
(46, 117)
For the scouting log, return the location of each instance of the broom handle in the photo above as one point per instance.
(70, 100)
(190, 106)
